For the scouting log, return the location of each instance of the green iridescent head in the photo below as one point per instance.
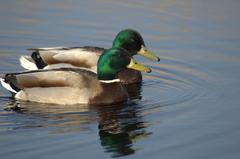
(132, 41)
(115, 60)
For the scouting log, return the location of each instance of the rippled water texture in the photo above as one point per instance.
(188, 107)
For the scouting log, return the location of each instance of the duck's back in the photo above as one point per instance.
(77, 56)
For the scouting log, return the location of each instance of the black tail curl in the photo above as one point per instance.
(38, 60)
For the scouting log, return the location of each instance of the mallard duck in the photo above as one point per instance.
(69, 86)
(87, 56)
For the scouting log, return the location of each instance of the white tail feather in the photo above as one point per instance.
(27, 63)
(7, 86)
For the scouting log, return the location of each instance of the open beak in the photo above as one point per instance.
(137, 66)
(148, 54)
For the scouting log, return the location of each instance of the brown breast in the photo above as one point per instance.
(109, 93)
(130, 76)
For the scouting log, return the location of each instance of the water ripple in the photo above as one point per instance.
(173, 82)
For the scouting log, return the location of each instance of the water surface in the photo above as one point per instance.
(188, 107)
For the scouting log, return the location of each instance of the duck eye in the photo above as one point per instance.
(132, 40)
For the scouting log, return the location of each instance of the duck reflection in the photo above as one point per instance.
(119, 127)
(57, 118)
(134, 91)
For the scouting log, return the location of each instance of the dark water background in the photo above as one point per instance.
(190, 102)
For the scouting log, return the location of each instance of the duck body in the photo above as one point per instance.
(65, 86)
(87, 56)
(47, 58)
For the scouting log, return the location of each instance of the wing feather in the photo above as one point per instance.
(63, 77)
(86, 56)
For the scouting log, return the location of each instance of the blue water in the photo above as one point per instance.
(190, 103)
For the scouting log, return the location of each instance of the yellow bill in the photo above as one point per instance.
(137, 66)
(148, 54)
